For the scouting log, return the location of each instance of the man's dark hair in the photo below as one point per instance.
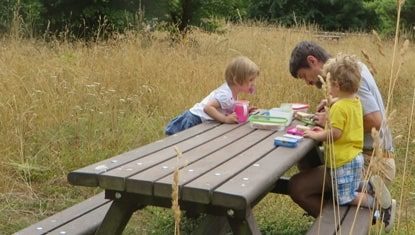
(301, 51)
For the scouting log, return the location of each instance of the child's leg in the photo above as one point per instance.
(366, 200)
(387, 215)
(378, 189)
(347, 179)
(364, 186)
(182, 122)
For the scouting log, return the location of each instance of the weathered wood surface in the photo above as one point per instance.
(82, 218)
(340, 220)
(88, 176)
(231, 166)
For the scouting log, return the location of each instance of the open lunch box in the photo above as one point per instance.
(274, 119)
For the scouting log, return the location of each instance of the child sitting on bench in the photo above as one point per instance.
(344, 138)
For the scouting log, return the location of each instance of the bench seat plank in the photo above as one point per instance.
(86, 224)
(329, 220)
(196, 169)
(142, 183)
(347, 214)
(239, 193)
(87, 176)
(361, 224)
(115, 178)
(67, 215)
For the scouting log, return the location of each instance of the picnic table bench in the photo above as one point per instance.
(342, 220)
(82, 218)
(332, 36)
(225, 170)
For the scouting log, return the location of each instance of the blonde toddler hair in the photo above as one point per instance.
(344, 69)
(239, 70)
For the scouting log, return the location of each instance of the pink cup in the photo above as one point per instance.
(241, 110)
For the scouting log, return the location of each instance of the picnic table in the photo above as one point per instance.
(225, 170)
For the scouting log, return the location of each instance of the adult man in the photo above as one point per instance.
(306, 63)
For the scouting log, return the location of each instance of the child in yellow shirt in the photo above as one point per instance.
(346, 119)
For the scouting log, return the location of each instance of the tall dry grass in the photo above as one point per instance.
(65, 105)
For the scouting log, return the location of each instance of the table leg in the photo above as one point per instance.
(117, 216)
(244, 226)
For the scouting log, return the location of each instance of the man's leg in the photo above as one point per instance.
(313, 159)
(305, 189)
(389, 170)
(387, 165)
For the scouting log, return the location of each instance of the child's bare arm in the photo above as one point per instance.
(211, 109)
(319, 134)
(337, 133)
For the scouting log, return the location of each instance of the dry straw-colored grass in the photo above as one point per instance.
(65, 105)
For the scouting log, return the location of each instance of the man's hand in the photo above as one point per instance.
(320, 118)
(321, 105)
(231, 118)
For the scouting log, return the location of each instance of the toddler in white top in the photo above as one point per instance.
(240, 76)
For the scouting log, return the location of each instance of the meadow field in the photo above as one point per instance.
(64, 105)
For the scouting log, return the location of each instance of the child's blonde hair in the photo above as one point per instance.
(345, 71)
(239, 70)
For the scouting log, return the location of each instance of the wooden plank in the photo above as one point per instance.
(88, 176)
(142, 183)
(199, 190)
(329, 37)
(329, 220)
(86, 224)
(247, 187)
(65, 216)
(361, 224)
(115, 179)
(194, 170)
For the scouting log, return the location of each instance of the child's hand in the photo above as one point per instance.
(309, 134)
(252, 109)
(317, 129)
(313, 133)
(231, 118)
(316, 133)
(320, 118)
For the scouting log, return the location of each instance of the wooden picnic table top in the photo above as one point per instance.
(224, 165)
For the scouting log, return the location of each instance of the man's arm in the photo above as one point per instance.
(370, 120)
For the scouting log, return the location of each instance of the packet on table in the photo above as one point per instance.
(286, 142)
(297, 137)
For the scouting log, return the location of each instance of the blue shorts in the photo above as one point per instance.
(182, 122)
(347, 178)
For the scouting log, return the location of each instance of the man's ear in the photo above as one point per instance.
(311, 60)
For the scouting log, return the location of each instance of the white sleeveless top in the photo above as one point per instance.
(223, 95)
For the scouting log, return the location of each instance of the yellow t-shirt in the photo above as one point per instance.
(347, 115)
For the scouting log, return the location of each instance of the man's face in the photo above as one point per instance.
(310, 74)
